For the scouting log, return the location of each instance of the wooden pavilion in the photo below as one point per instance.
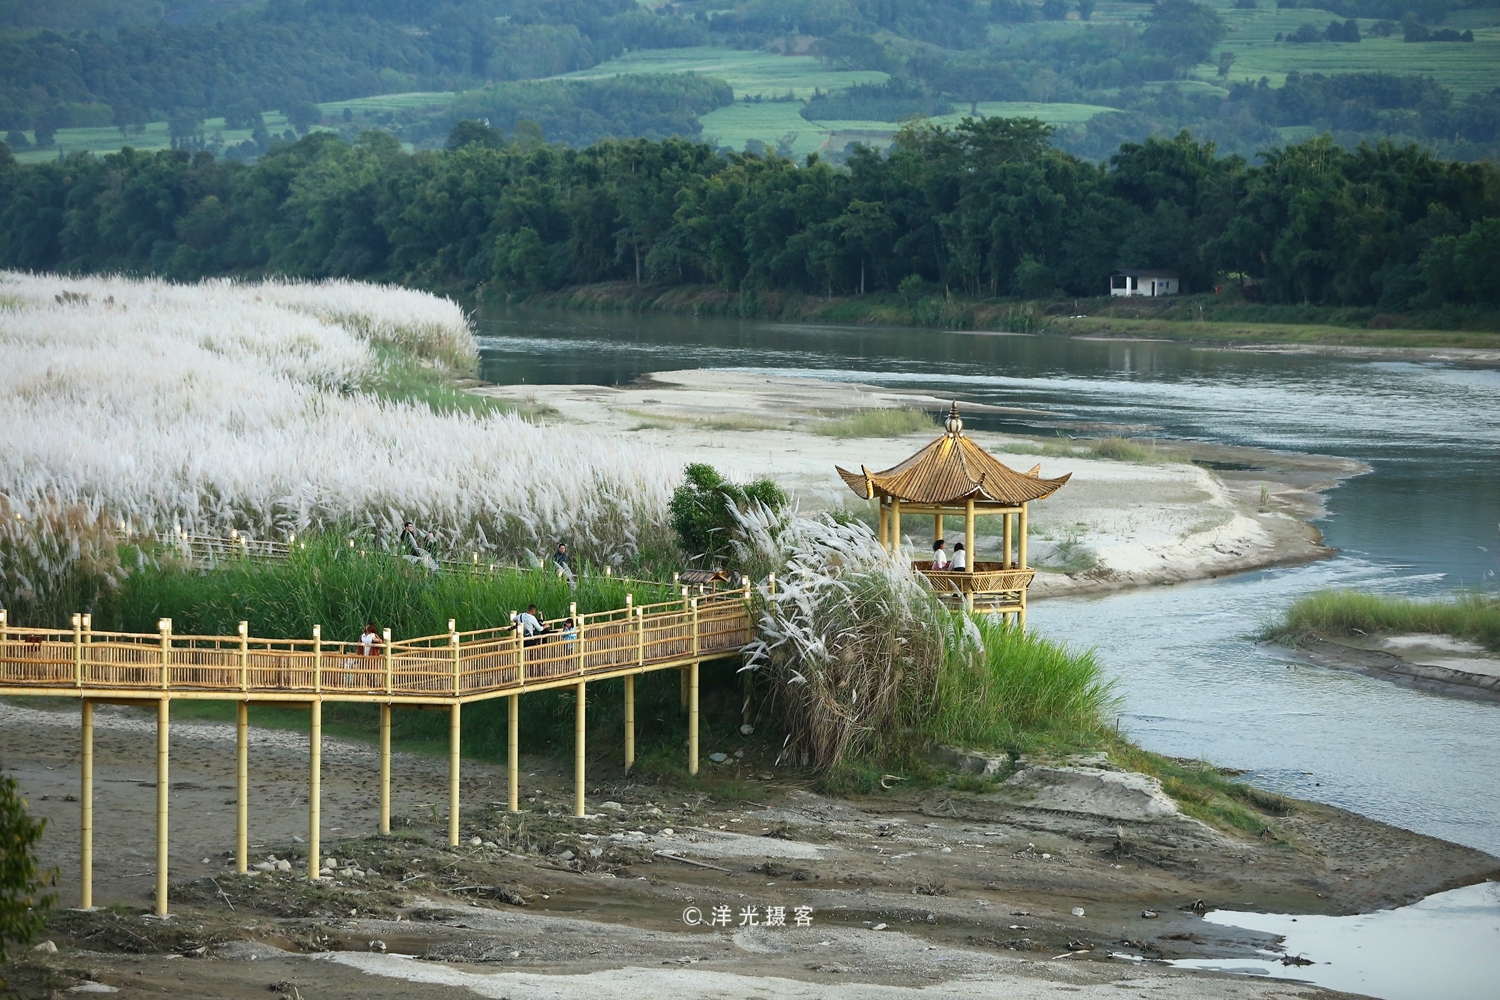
(953, 477)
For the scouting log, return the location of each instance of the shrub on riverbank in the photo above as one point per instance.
(1334, 613)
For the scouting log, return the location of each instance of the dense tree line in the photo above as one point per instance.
(989, 208)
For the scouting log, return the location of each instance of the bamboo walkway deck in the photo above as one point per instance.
(438, 671)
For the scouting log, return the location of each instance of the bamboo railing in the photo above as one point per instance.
(444, 668)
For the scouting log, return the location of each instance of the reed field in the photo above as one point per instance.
(224, 406)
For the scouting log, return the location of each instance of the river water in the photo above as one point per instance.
(1425, 521)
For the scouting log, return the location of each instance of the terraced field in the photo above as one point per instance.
(750, 73)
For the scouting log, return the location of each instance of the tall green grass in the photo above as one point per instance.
(330, 583)
(1019, 691)
(1332, 613)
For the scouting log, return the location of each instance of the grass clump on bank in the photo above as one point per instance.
(1021, 692)
(881, 423)
(1339, 613)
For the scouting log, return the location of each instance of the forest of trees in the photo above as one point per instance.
(990, 208)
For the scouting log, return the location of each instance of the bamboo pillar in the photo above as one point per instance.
(1022, 563)
(244, 657)
(885, 524)
(513, 748)
(1008, 541)
(629, 722)
(937, 527)
(454, 770)
(78, 650)
(385, 768)
(389, 657)
(242, 786)
(693, 718)
(315, 791)
(163, 784)
(164, 626)
(88, 642)
(579, 777)
(896, 526)
(971, 554)
(86, 810)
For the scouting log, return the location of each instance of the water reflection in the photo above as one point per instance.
(1445, 947)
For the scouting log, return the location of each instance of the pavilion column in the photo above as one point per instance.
(971, 554)
(1009, 541)
(1021, 547)
(937, 528)
(885, 525)
(896, 525)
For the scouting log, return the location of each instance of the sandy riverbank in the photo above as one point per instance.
(1028, 890)
(1116, 524)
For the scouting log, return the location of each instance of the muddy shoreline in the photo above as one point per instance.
(973, 892)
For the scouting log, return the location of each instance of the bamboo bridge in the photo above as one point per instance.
(444, 671)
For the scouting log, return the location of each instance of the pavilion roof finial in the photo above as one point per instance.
(953, 425)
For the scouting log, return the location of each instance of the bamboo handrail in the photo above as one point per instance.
(447, 667)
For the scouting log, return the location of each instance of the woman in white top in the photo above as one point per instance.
(939, 555)
(369, 640)
(960, 557)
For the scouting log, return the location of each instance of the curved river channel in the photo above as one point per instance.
(1424, 521)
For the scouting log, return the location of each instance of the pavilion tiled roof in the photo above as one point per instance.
(951, 470)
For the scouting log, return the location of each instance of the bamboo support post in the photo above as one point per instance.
(577, 631)
(640, 636)
(390, 661)
(971, 553)
(315, 791)
(164, 626)
(78, 651)
(163, 785)
(693, 718)
(1008, 540)
(937, 527)
(385, 767)
(454, 769)
(242, 786)
(86, 810)
(317, 667)
(458, 663)
(1021, 562)
(885, 538)
(513, 756)
(629, 722)
(579, 777)
(896, 527)
(244, 658)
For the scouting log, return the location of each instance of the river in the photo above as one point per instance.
(1424, 521)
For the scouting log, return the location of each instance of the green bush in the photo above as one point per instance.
(703, 510)
(23, 896)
